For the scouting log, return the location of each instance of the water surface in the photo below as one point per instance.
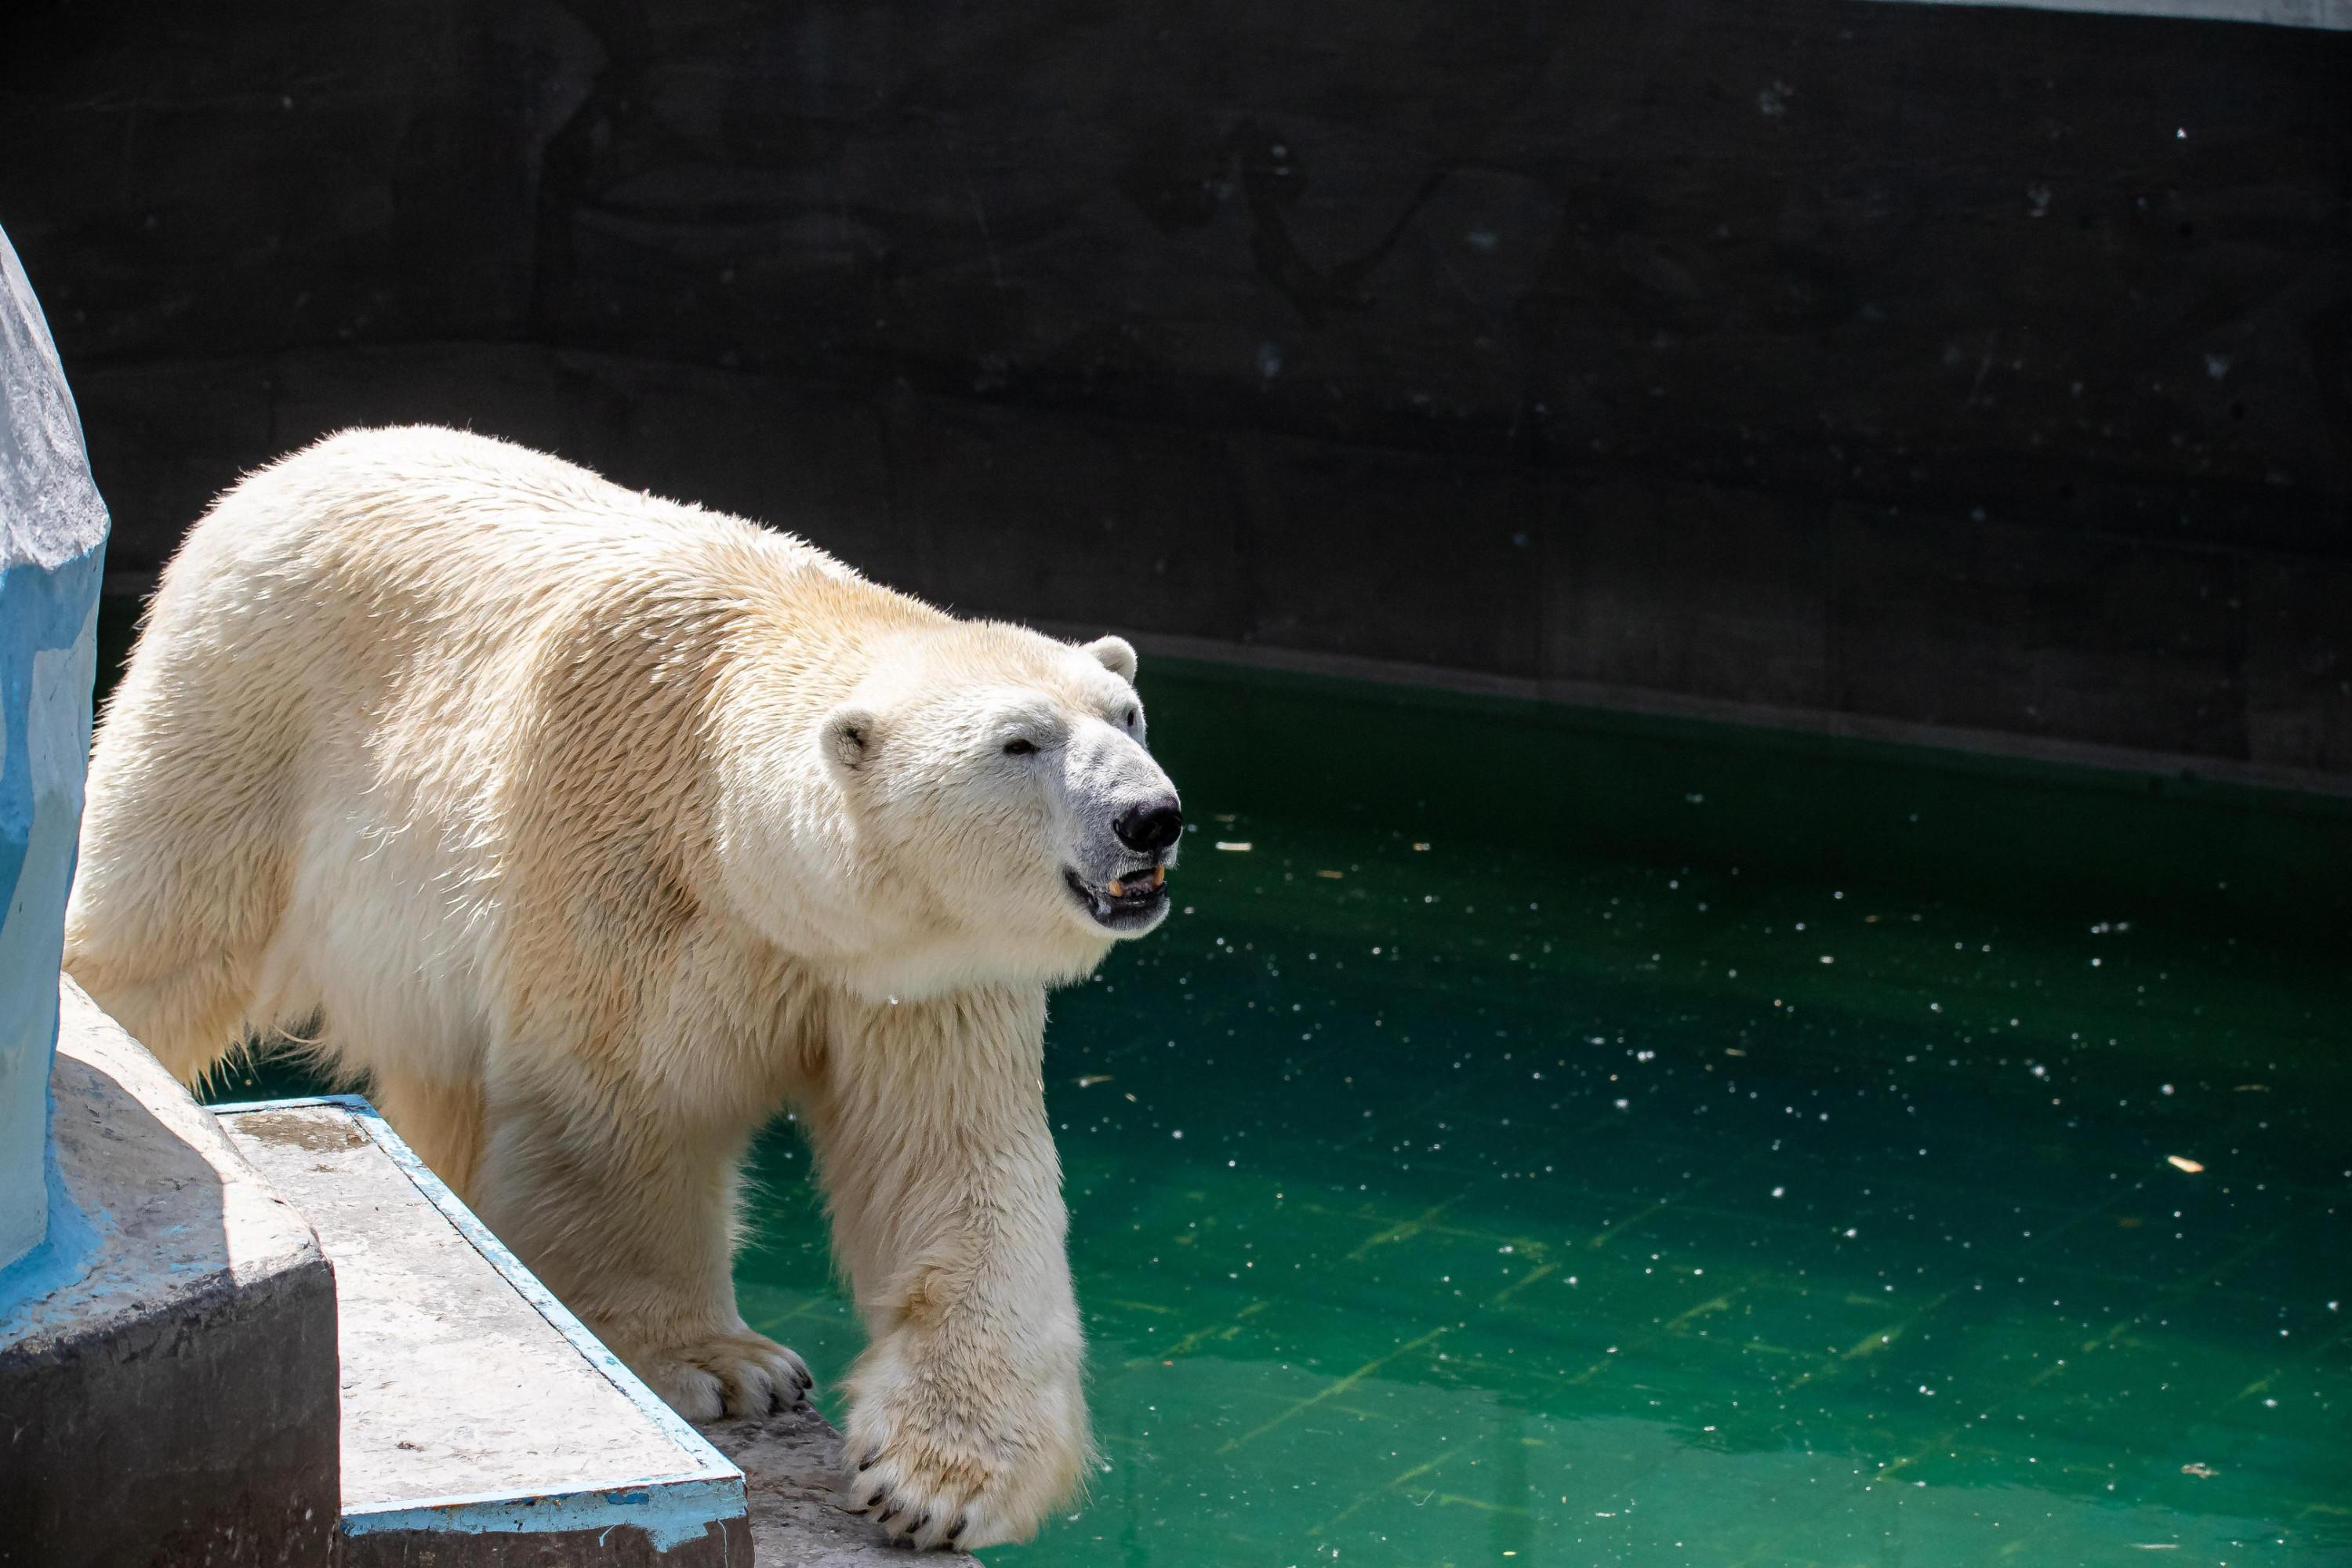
(1558, 1139)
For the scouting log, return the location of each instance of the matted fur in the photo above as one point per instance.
(590, 830)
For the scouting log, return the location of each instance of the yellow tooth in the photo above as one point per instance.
(1160, 875)
(1116, 891)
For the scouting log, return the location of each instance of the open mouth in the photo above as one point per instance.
(1131, 898)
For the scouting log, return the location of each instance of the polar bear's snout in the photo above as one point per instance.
(1150, 827)
(1128, 825)
(1131, 897)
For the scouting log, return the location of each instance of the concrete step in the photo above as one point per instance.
(482, 1425)
(167, 1382)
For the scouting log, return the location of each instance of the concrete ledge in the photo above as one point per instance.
(792, 1467)
(483, 1426)
(175, 1402)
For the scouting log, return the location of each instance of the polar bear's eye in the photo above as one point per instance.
(1128, 718)
(1019, 748)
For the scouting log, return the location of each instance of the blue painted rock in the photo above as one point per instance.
(52, 540)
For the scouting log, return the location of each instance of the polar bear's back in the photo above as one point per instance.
(351, 659)
(383, 572)
(418, 525)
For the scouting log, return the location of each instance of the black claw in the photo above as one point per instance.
(955, 1530)
(916, 1528)
(877, 1496)
(886, 1518)
(869, 1462)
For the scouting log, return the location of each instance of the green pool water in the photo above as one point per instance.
(1554, 1138)
(1666, 1144)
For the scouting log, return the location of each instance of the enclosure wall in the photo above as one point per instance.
(1980, 368)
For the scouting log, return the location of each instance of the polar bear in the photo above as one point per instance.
(592, 828)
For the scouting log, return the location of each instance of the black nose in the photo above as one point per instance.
(1148, 829)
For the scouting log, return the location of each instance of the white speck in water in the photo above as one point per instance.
(1779, 1192)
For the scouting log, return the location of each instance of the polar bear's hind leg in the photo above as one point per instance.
(183, 876)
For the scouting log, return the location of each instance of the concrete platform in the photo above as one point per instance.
(170, 1399)
(482, 1425)
(792, 1464)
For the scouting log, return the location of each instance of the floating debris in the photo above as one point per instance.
(1334, 875)
(1093, 1078)
(2201, 1471)
(1239, 846)
(2183, 1163)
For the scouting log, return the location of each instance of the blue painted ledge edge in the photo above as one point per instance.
(676, 1508)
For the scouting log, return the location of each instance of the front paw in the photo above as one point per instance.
(739, 1373)
(941, 1451)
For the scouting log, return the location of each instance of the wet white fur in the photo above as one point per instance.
(592, 828)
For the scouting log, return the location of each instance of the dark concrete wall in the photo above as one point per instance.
(1969, 367)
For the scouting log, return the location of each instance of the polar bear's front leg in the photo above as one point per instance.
(629, 1219)
(967, 1420)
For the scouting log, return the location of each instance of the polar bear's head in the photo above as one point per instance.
(1002, 801)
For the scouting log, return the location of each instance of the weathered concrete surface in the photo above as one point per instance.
(791, 1471)
(614, 1546)
(175, 1403)
(481, 1426)
(1975, 367)
(52, 540)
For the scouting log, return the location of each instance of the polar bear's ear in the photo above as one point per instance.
(1117, 653)
(849, 739)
